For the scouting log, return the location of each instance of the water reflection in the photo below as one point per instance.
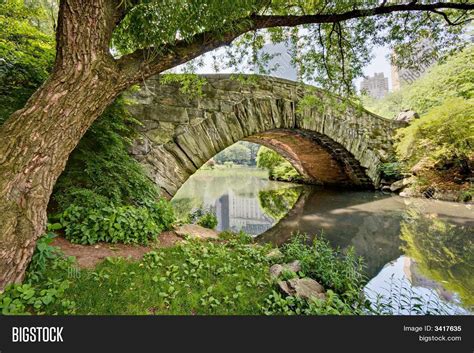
(427, 244)
(242, 198)
(235, 212)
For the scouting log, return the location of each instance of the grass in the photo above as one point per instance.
(229, 276)
(193, 278)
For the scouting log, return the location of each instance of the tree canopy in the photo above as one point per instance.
(331, 41)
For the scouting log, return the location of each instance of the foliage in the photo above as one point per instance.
(229, 276)
(391, 170)
(208, 220)
(104, 194)
(343, 273)
(25, 299)
(445, 133)
(400, 299)
(242, 153)
(334, 304)
(101, 165)
(40, 291)
(192, 278)
(45, 256)
(276, 203)
(190, 84)
(205, 217)
(443, 252)
(26, 55)
(443, 82)
(113, 224)
(278, 167)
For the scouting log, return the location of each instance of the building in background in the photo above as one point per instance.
(238, 212)
(425, 56)
(375, 86)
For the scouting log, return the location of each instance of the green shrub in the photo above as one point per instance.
(278, 167)
(391, 170)
(46, 257)
(40, 292)
(208, 220)
(104, 194)
(124, 224)
(100, 170)
(341, 272)
(162, 213)
(445, 133)
(334, 304)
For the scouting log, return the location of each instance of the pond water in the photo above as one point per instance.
(425, 247)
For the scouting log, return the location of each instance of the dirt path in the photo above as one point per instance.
(88, 256)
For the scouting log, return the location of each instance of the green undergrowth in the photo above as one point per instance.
(42, 291)
(229, 276)
(104, 194)
(278, 167)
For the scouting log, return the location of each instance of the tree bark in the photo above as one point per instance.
(37, 140)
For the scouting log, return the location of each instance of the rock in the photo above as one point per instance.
(409, 192)
(277, 269)
(398, 185)
(384, 182)
(303, 288)
(407, 116)
(408, 181)
(386, 188)
(294, 266)
(196, 232)
(274, 254)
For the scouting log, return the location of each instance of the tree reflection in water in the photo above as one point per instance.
(442, 252)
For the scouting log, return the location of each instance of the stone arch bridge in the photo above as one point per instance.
(327, 141)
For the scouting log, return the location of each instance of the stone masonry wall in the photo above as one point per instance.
(180, 132)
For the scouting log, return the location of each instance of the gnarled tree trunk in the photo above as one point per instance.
(35, 142)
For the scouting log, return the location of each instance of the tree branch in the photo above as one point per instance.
(147, 62)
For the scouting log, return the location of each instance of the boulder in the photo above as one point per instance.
(407, 116)
(398, 185)
(410, 192)
(277, 269)
(196, 232)
(303, 288)
(274, 254)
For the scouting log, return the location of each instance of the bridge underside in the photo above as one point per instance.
(317, 158)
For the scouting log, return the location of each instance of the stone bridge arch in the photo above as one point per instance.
(327, 142)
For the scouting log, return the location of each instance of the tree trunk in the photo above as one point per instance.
(36, 141)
